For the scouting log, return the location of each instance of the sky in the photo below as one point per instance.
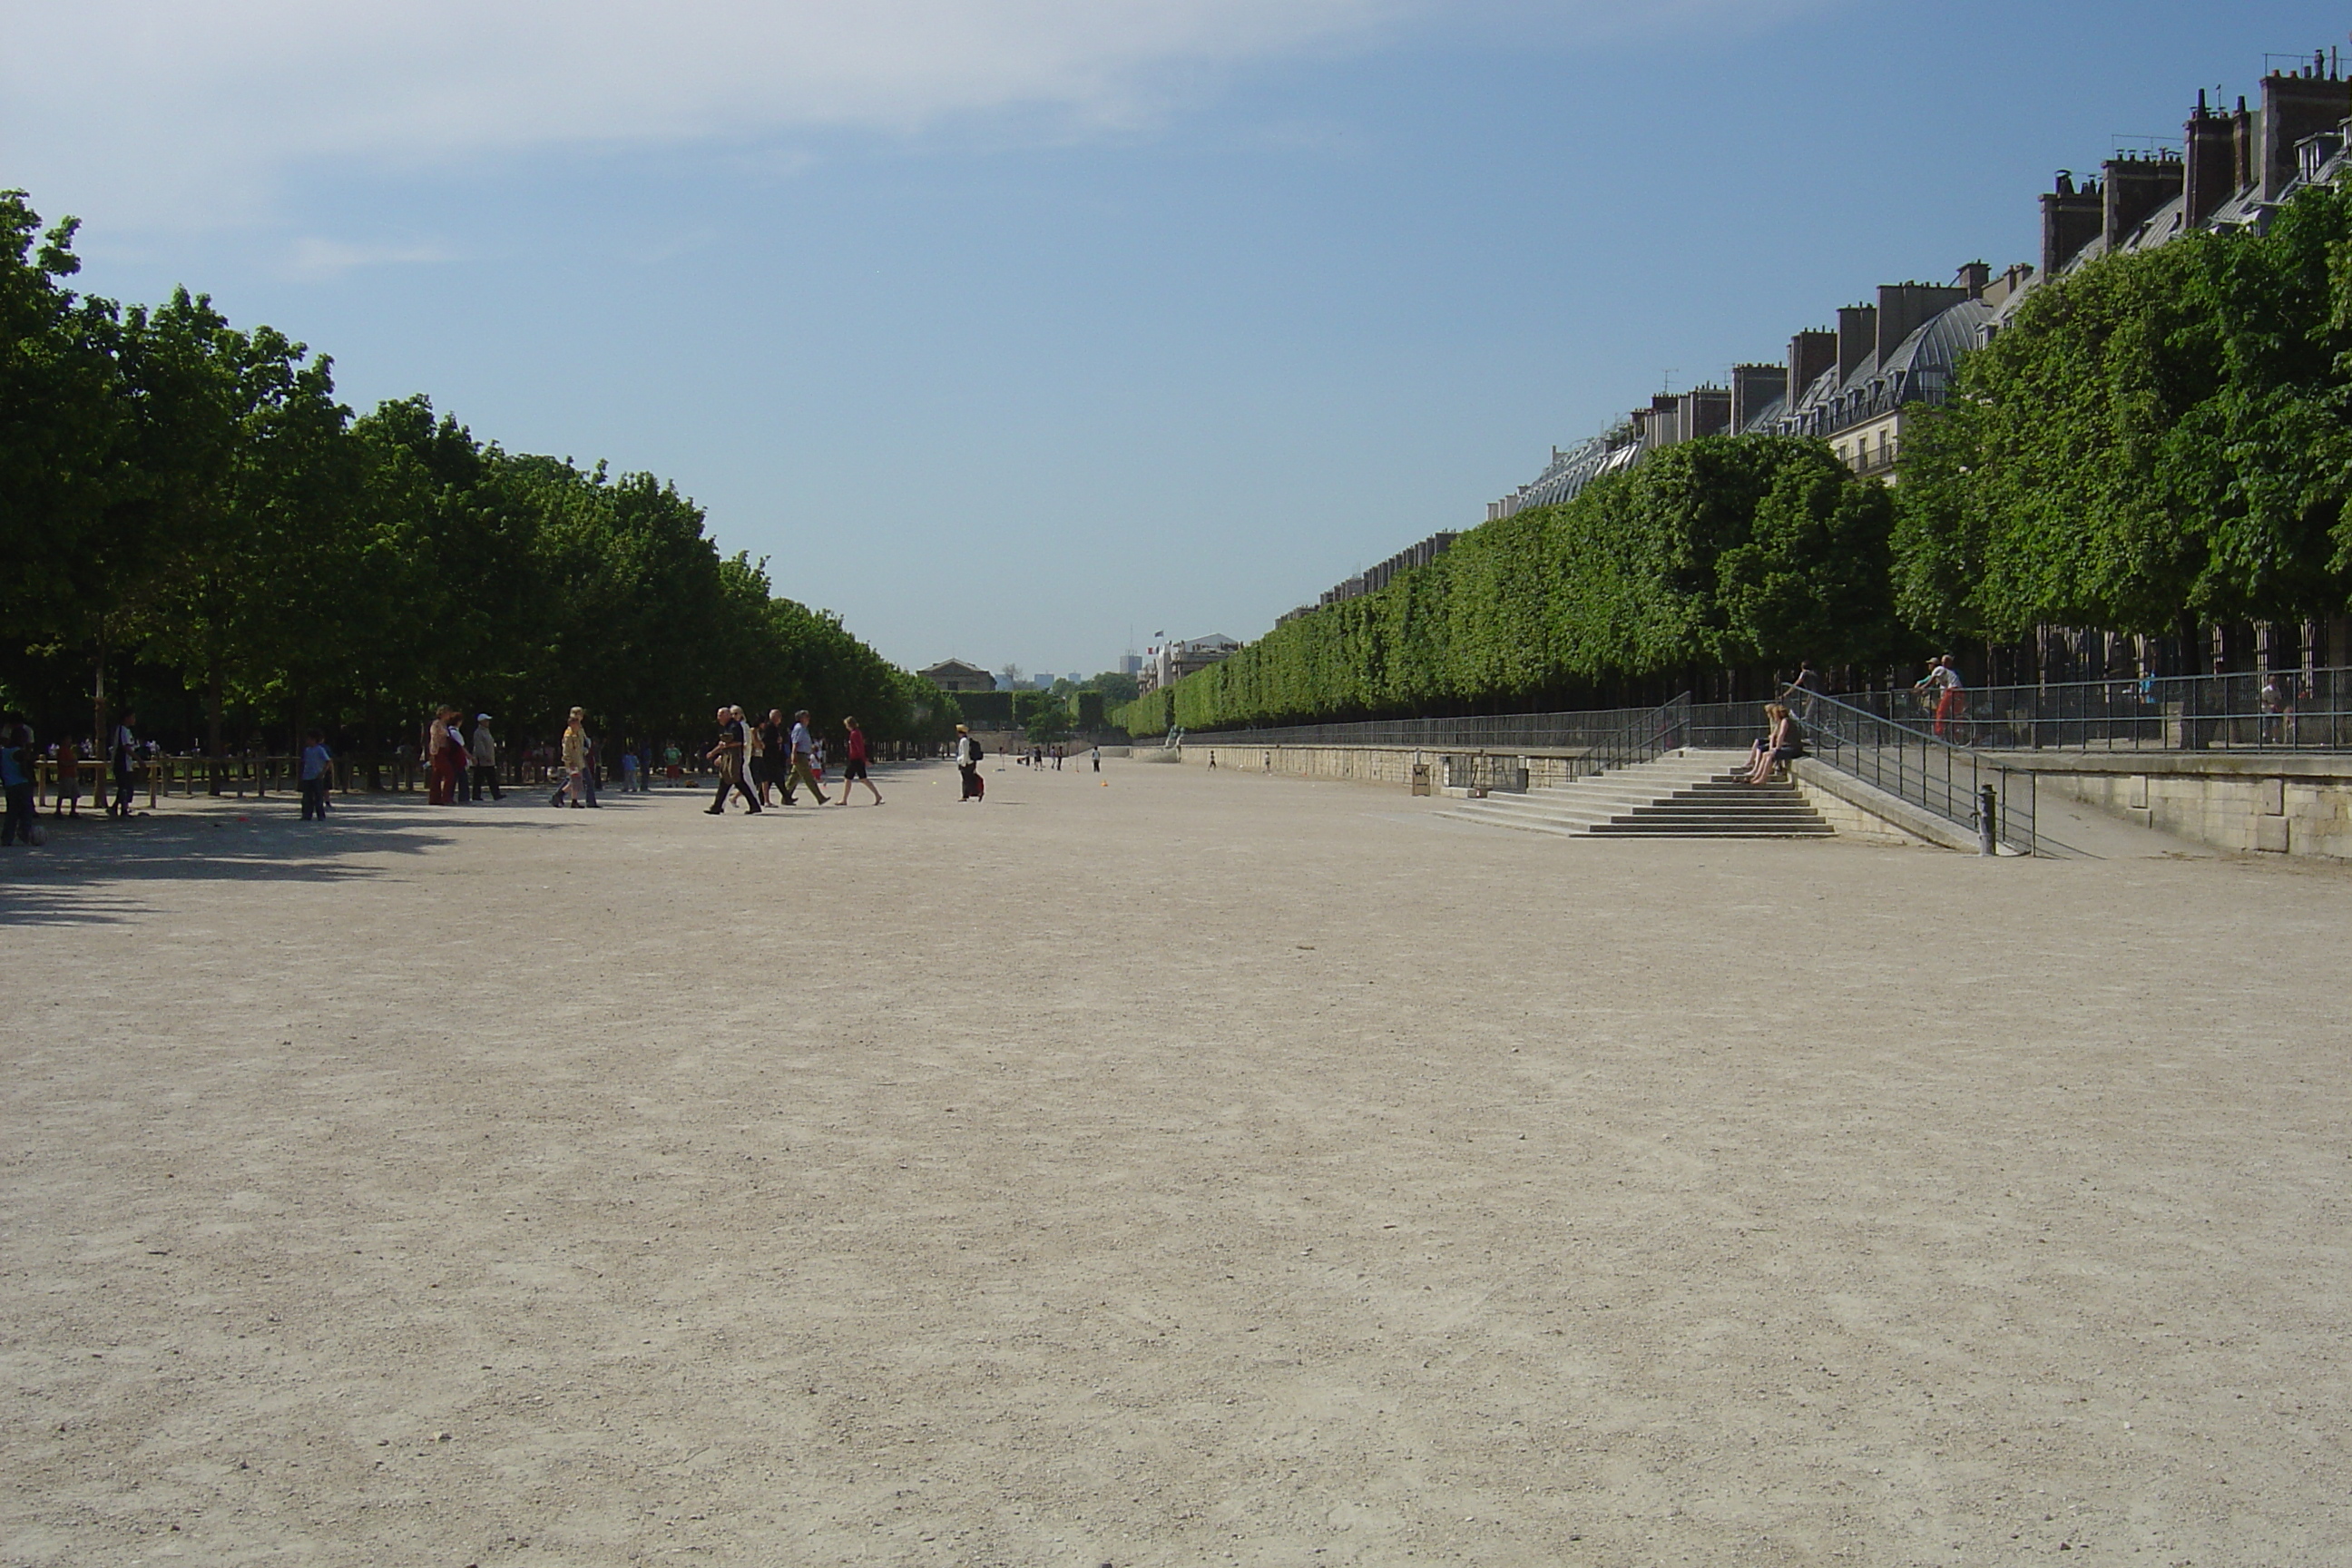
(1026, 332)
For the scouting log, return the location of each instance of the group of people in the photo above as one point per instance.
(20, 759)
(758, 761)
(459, 767)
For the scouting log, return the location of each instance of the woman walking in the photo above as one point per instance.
(854, 770)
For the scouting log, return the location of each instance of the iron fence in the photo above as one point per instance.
(2288, 710)
(1946, 781)
(1606, 737)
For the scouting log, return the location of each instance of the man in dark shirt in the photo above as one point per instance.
(772, 770)
(734, 743)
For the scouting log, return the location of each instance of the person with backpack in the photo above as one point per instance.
(967, 754)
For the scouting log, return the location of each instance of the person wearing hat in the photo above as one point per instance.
(485, 751)
(967, 754)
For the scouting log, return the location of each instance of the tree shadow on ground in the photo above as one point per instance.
(88, 871)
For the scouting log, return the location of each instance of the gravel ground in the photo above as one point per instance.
(1169, 1168)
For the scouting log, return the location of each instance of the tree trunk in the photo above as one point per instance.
(213, 723)
(98, 716)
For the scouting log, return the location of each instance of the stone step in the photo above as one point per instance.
(1699, 797)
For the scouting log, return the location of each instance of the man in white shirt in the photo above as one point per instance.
(485, 752)
(1950, 704)
(803, 763)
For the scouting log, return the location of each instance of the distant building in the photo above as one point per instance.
(1130, 663)
(955, 675)
(1171, 662)
(1854, 385)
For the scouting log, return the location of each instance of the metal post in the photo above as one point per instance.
(1988, 821)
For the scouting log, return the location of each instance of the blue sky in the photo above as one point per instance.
(1012, 331)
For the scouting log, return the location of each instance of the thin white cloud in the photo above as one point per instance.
(317, 259)
(189, 109)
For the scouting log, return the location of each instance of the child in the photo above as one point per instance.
(69, 778)
(629, 784)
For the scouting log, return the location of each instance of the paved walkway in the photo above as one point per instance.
(1202, 1168)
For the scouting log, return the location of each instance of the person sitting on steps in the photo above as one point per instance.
(1783, 741)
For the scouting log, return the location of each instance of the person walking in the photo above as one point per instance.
(771, 773)
(575, 762)
(632, 776)
(967, 754)
(444, 758)
(803, 763)
(1095, 754)
(16, 785)
(485, 754)
(318, 772)
(122, 753)
(853, 770)
(734, 742)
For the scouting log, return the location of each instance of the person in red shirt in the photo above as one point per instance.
(853, 770)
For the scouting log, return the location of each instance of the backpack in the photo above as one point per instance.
(977, 751)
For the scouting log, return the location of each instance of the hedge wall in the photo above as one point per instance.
(1721, 552)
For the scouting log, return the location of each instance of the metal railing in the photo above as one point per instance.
(2291, 710)
(1607, 737)
(1944, 779)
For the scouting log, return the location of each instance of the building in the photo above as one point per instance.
(1171, 662)
(955, 675)
(1854, 385)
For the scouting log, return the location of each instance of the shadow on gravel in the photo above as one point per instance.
(88, 871)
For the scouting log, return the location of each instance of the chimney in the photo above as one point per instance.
(1753, 388)
(2295, 107)
(1857, 338)
(2136, 188)
(2211, 176)
(2071, 219)
(2244, 144)
(1658, 422)
(1810, 353)
(1905, 307)
(1702, 411)
(1973, 280)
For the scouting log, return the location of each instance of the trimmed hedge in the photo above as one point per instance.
(1720, 552)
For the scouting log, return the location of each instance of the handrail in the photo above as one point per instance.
(1944, 779)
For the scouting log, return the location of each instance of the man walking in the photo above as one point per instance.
(122, 751)
(770, 771)
(734, 742)
(317, 776)
(803, 761)
(485, 759)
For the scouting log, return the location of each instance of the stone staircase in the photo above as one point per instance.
(1684, 794)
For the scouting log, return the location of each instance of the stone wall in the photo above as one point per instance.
(1377, 764)
(2275, 804)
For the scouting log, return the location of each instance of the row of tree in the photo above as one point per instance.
(187, 510)
(1712, 554)
(2159, 443)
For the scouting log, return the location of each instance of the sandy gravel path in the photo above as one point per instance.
(1193, 1170)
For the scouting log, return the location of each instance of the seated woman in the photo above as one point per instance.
(1783, 740)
